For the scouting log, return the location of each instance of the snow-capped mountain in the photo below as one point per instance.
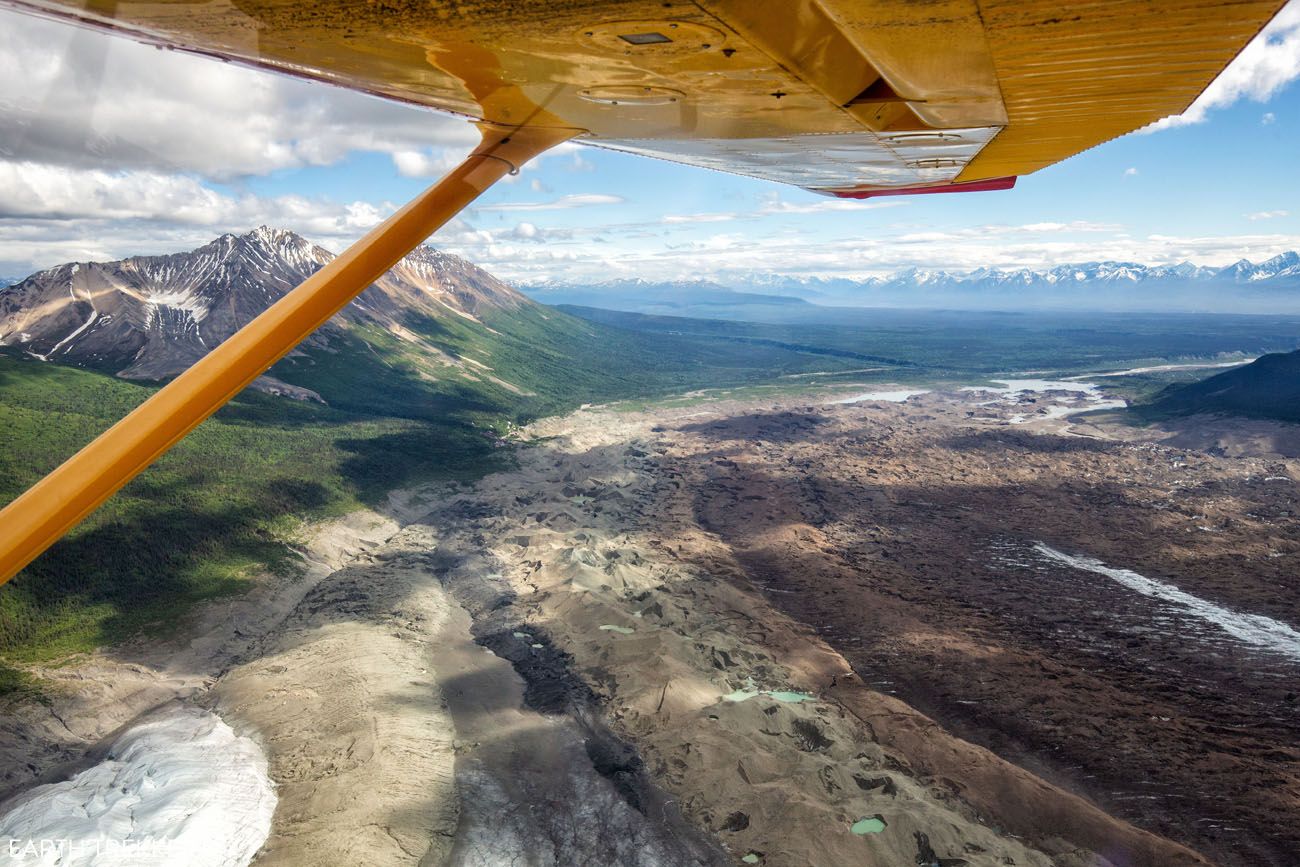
(1282, 267)
(1273, 284)
(150, 317)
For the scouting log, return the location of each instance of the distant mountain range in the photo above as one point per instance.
(1271, 286)
(698, 298)
(151, 317)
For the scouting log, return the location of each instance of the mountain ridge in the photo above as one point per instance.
(151, 317)
(1268, 387)
(1284, 267)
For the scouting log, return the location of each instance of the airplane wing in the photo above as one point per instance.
(850, 98)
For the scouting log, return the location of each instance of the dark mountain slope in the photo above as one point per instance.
(1269, 387)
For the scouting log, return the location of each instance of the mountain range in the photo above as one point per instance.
(1270, 286)
(433, 336)
(151, 317)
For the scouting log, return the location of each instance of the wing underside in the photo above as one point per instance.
(844, 97)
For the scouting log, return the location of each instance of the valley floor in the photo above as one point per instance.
(779, 632)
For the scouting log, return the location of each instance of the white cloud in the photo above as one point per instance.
(1002, 230)
(1265, 66)
(1267, 215)
(1268, 119)
(1130, 172)
(1072, 226)
(426, 163)
(33, 191)
(525, 232)
(77, 98)
(575, 200)
(779, 206)
(51, 214)
(776, 205)
(27, 246)
(672, 219)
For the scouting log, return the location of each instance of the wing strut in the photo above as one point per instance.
(51, 507)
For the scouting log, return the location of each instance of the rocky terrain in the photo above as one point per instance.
(918, 540)
(784, 632)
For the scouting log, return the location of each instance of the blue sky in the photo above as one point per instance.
(112, 149)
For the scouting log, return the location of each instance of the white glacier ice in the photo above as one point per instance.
(180, 788)
(1254, 629)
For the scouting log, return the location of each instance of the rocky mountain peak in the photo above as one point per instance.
(150, 317)
(280, 241)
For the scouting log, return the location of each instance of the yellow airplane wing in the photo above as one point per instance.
(846, 97)
(850, 98)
